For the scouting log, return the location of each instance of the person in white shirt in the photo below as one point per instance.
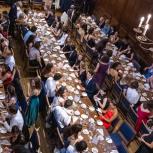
(132, 94)
(50, 86)
(61, 114)
(60, 97)
(63, 38)
(9, 58)
(16, 119)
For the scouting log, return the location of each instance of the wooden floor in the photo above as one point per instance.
(46, 145)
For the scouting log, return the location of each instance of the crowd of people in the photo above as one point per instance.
(23, 111)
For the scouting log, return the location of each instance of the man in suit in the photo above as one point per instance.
(90, 86)
(12, 17)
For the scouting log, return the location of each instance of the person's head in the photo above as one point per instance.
(7, 52)
(105, 59)
(102, 19)
(134, 85)
(37, 83)
(109, 53)
(12, 109)
(111, 105)
(150, 124)
(91, 31)
(84, 27)
(26, 11)
(37, 45)
(90, 74)
(107, 21)
(68, 103)
(80, 57)
(148, 105)
(61, 92)
(19, 4)
(81, 146)
(116, 33)
(76, 128)
(59, 26)
(49, 68)
(57, 76)
(11, 91)
(15, 130)
(116, 66)
(33, 29)
(5, 69)
(31, 40)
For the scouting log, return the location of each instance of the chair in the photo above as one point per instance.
(122, 148)
(132, 116)
(114, 124)
(108, 83)
(124, 105)
(144, 129)
(35, 141)
(116, 92)
(30, 68)
(125, 133)
(89, 51)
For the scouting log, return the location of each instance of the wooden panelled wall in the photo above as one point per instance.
(126, 14)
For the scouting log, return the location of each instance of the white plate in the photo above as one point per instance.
(91, 120)
(99, 110)
(63, 84)
(1, 81)
(84, 116)
(94, 150)
(91, 108)
(2, 97)
(99, 122)
(78, 87)
(46, 60)
(70, 97)
(77, 113)
(84, 94)
(83, 106)
(85, 131)
(109, 140)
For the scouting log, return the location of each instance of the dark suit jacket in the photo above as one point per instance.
(13, 13)
(91, 88)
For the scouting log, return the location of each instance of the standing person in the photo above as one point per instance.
(101, 71)
(32, 112)
(12, 17)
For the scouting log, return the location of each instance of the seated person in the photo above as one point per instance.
(109, 115)
(63, 38)
(6, 75)
(82, 30)
(50, 86)
(57, 31)
(101, 23)
(114, 70)
(60, 97)
(49, 17)
(35, 56)
(114, 38)
(62, 116)
(12, 98)
(77, 147)
(148, 73)
(107, 28)
(90, 86)
(15, 118)
(70, 133)
(29, 32)
(47, 71)
(128, 53)
(146, 143)
(90, 38)
(132, 94)
(9, 58)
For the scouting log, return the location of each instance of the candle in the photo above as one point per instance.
(141, 21)
(148, 19)
(145, 29)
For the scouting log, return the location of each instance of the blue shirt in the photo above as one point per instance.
(106, 29)
(27, 35)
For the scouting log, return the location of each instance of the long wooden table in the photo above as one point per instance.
(51, 52)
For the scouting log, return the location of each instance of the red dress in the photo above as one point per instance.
(108, 115)
(142, 116)
(8, 80)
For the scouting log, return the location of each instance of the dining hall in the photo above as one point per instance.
(76, 76)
